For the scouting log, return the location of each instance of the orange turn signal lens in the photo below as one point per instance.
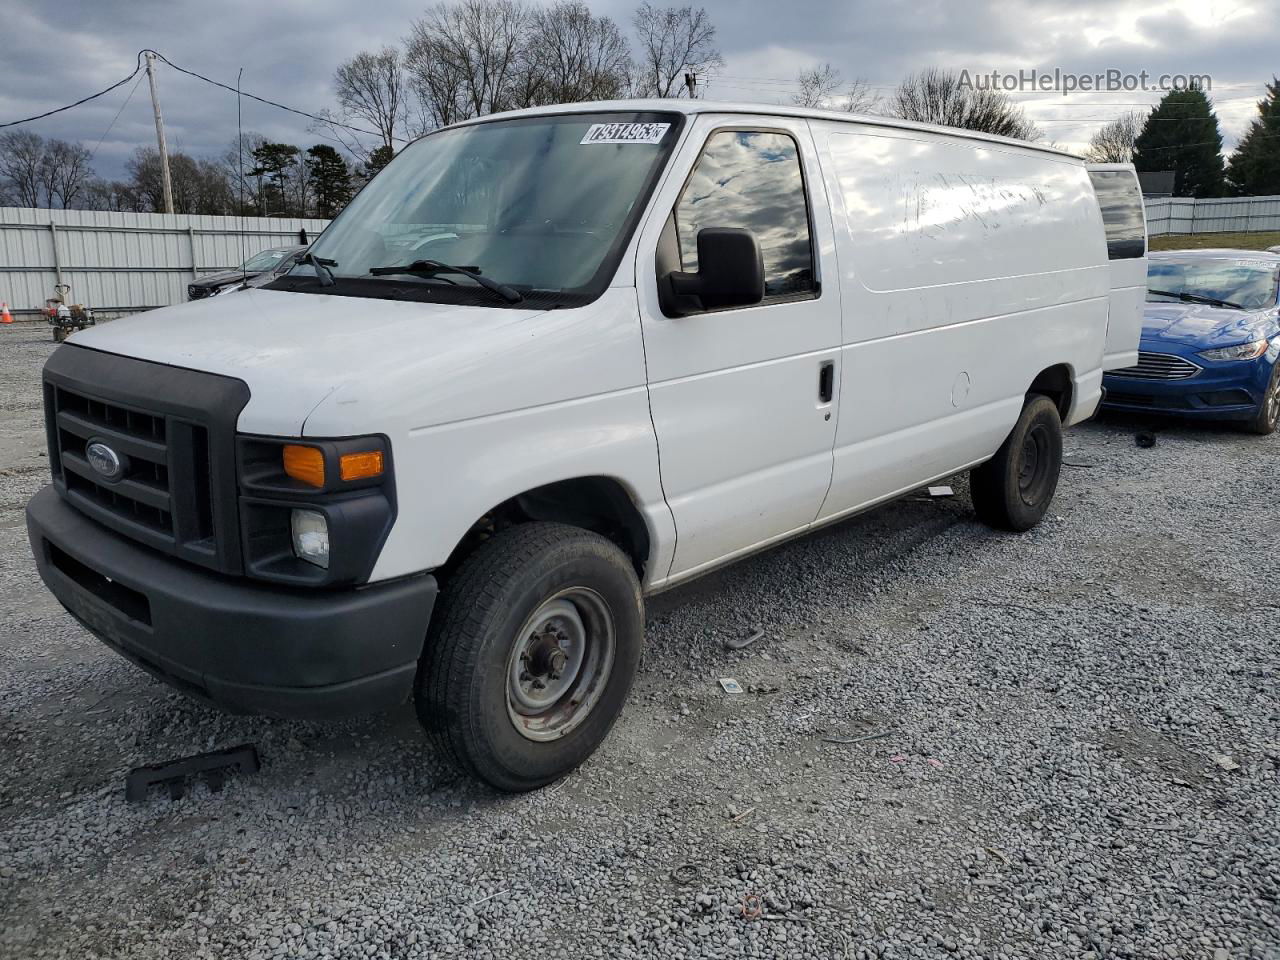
(361, 466)
(305, 464)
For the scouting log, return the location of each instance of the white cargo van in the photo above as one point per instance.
(549, 362)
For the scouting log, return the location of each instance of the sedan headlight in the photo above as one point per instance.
(311, 537)
(1241, 351)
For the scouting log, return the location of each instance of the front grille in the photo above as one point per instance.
(1159, 366)
(173, 431)
(147, 442)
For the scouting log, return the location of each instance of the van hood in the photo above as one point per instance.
(1203, 326)
(294, 350)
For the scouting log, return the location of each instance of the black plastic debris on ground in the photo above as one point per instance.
(1144, 440)
(213, 766)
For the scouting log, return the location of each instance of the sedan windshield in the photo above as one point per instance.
(266, 260)
(541, 205)
(1250, 284)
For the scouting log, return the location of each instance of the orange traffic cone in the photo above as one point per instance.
(5, 315)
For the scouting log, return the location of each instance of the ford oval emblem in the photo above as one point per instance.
(106, 462)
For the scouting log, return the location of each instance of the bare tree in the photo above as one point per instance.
(237, 166)
(21, 162)
(1114, 142)
(573, 56)
(465, 57)
(371, 87)
(941, 96)
(114, 195)
(817, 86)
(859, 97)
(823, 87)
(673, 41)
(64, 170)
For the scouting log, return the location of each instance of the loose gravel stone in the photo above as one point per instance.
(1036, 723)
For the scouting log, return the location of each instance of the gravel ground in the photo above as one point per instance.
(1081, 736)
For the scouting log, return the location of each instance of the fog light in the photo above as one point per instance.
(311, 537)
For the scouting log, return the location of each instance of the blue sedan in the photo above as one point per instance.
(1210, 340)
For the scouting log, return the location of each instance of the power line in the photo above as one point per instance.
(270, 103)
(94, 151)
(199, 76)
(80, 102)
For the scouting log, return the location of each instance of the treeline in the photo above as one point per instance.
(279, 179)
(1182, 135)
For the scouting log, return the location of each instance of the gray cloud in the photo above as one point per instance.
(58, 51)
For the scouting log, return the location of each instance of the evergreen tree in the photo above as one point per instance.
(1182, 135)
(275, 161)
(330, 179)
(1254, 169)
(378, 159)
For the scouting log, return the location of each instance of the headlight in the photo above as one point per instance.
(314, 512)
(311, 537)
(1241, 351)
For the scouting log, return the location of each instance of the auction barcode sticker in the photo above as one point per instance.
(626, 133)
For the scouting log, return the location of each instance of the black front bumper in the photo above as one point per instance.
(246, 647)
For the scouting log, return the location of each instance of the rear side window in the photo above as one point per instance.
(1120, 198)
(752, 179)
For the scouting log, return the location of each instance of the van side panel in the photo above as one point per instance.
(966, 269)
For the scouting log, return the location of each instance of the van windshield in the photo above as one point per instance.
(543, 205)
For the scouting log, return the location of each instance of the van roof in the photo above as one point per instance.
(692, 107)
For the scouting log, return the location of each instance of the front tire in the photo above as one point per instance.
(1013, 490)
(1269, 410)
(531, 653)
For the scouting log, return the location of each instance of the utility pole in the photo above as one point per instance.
(164, 150)
(691, 81)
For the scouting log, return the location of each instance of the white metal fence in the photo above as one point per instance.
(1225, 215)
(123, 262)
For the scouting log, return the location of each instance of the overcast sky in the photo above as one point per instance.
(57, 51)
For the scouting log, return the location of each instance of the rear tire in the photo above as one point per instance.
(531, 653)
(1013, 490)
(1269, 410)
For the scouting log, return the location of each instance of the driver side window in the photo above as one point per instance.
(752, 179)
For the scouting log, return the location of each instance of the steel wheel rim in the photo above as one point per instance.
(1033, 464)
(560, 664)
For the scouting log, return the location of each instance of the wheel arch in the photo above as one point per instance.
(1058, 384)
(602, 504)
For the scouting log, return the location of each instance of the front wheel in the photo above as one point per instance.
(1269, 410)
(1013, 490)
(532, 650)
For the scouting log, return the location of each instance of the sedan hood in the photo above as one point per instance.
(295, 349)
(1203, 326)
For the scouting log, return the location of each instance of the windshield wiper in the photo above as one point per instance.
(322, 265)
(428, 268)
(1196, 298)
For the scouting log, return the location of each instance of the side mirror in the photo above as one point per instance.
(730, 273)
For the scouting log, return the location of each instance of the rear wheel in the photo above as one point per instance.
(533, 647)
(1013, 490)
(1269, 410)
